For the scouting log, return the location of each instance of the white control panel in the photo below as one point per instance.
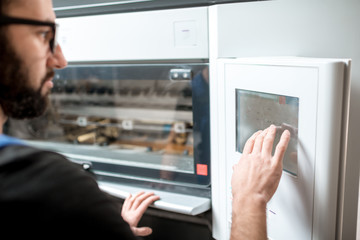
(306, 96)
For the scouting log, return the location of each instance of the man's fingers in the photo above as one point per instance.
(132, 198)
(281, 147)
(250, 143)
(126, 204)
(259, 141)
(140, 199)
(146, 203)
(269, 141)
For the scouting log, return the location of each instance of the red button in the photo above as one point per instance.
(202, 169)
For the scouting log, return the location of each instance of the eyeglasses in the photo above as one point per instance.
(5, 20)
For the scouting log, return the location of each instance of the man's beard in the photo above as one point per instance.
(17, 98)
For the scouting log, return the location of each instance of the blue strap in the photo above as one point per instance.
(6, 140)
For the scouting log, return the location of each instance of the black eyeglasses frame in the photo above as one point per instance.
(6, 20)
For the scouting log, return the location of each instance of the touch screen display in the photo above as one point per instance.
(256, 111)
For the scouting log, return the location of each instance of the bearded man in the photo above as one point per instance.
(42, 194)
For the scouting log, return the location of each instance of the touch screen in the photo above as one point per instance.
(256, 111)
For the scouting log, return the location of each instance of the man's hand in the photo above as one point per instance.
(258, 173)
(254, 181)
(134, 208)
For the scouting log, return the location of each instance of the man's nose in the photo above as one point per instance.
(57, 60)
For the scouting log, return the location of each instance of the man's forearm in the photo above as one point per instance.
(248, 219)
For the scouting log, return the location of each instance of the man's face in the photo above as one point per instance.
(26, 62)
(18, 98)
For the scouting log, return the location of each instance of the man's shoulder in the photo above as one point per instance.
(42, 176)
(27, 165)
(16, 153)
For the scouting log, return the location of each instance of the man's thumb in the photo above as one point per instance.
(142, 231)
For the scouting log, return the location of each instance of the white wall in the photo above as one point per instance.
(317, 28)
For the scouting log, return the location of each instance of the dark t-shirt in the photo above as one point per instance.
(43, 195)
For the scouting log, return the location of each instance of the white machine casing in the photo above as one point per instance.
(307, 205)
(152, 35)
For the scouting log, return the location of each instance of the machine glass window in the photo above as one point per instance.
(148, 121)
(256, 111)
